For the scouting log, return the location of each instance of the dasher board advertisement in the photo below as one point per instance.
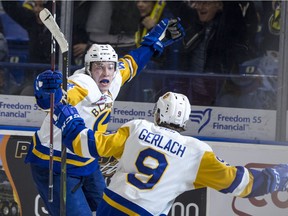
(204, 121)
(22, 198)
(252, 156)
(207, 121)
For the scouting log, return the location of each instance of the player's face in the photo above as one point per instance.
(103, 73)
(207, 9)
(145, 7)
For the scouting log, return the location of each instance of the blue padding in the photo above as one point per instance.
(22, 128)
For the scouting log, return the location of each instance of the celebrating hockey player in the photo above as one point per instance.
(92, 91)
(158, 163)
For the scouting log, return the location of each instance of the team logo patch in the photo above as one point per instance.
(104, 99)
(222, 161)
(121, 65)
(70, 85)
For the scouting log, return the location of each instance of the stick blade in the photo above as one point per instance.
(48, 20)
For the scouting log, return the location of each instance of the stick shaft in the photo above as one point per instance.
(52, 99)
(63, 180)
(53, 27)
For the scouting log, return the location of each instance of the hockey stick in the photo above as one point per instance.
(52, 99)
(47, 18)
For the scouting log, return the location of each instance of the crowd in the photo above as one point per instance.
(222, 37)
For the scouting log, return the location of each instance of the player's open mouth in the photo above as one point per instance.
(104, 81)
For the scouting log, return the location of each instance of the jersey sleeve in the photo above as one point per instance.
(89, 144)
(237, 180)
(134, 62)
(219, 175)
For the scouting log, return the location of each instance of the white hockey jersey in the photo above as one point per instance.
(157, 164)
(93, 106)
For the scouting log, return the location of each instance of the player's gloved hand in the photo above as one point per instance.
(67, 118)
(277, 178)
(164, 34)
(45, 83)
(175, 32)
(49, 81)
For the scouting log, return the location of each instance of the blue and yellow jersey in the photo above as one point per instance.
(158, 164)
(93, 106)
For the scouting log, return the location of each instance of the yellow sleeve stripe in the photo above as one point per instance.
(80, 144)
(243, 184)
(112, 144)
(58, 159)
(76, 94)
(77, 145)
(55, 158)
(249, 186)
(119, 207)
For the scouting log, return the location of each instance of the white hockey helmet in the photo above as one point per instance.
(100, 53)
(172, 109)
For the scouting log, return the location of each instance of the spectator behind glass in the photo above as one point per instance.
(27, 15)
(262, 90)
(150, 13)
(8, 85)
(80, 37)
(271, 24)
(216, 42)
(113, 22)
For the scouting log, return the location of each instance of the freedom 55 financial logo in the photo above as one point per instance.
(234, 122)
(202, 118)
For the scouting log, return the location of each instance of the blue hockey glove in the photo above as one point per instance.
(164, 34)
(277, 178)
(175, 32)
(67, 118)
(47, 82)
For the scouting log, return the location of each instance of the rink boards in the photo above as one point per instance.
(14, 146)
(22, 115)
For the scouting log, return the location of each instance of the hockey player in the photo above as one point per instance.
(158, 163)
(92, 91)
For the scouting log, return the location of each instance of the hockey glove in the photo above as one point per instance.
(175, 32)
(277, 178)
(67, 118)
(164, 34)
(47, 82)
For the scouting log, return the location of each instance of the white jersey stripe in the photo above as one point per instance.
(244, 182)
(85, 148)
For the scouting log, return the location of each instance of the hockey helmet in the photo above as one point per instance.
(100, 53)
(172, 109)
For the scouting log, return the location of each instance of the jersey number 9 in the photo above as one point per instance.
(153, 174)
